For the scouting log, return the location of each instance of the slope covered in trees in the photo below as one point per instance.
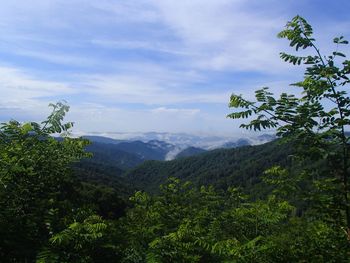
(112, 155)
(190, 151)
(222, 168)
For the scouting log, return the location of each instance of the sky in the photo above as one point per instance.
(150, 65)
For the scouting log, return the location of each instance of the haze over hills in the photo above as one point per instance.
(167, 146)
(181, 140)
(142, 165)
(112, 158)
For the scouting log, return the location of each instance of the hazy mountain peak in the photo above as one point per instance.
(168, 146)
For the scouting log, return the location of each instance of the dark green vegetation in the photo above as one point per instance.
(109, 154)
(314, 122)
(127, 154)
(221, 168)
(286, 201)
(190, 151)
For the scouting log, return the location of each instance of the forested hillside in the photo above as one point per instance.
(111, 155)
(222, 168)
(190, 151)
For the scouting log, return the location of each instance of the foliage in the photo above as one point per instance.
(85, 241)
(35, 182)
(189, 224)
(315, 121)
(179, 225)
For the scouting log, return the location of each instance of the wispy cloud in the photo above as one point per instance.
(171, 60)
(151, 87)
(154, 46)
(187, 112)
(227, 36)
(18, 85)
(57, 58)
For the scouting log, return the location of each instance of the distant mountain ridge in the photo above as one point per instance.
(101, 139)
(238, 143)
(182, 140)
(142, 165)
(152, 150)
(109, 154)
(190, 151)
(118, 156)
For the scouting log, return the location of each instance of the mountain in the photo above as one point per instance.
(101, 139)
(121, 154)
(152, 150)
(182, 141)
(261, 139)
(171, 138)
(108, 154)
(222, 167)
(190, 151)
(238, 143)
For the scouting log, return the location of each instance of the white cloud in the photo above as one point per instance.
(22, 93)
(57, 58)
(225, 34)
(165, 56)
(214, 35)
(99, 118)
(18, 85)
(185, 112)
(197, 21)
(156, 46)
(150, 87)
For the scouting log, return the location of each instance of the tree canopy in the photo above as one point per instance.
(316, 121)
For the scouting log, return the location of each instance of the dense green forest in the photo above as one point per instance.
(220, 168)
(285, 201)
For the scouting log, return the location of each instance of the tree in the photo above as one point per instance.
(36, 183)
(315, 121)
(189, 224)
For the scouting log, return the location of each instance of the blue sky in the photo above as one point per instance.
(156, 65)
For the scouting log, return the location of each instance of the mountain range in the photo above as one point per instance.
(182, 140)
(131, 165)
(112, 159)
(163, 146)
